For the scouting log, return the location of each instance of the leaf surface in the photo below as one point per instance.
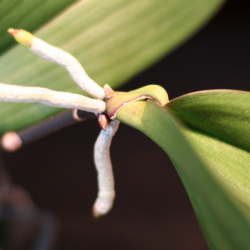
(26, 14)
(220, 121)
(211, 171)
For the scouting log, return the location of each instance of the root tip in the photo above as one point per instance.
(96, 214)
(11, 142)
(22, 36)
(12, 31)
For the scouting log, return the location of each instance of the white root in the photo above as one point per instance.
(14, 93)
(106, 193)
(70, 63)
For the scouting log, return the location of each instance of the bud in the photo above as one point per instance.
(103, 121)
(108, 91)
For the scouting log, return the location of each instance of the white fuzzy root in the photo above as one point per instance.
(70, 63)
(106, 193)
(64, 59)
(14, 93)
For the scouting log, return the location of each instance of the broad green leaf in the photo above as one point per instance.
(223, 217)
(26, 14)
(220, 120)
(113, 39)
(223, 114)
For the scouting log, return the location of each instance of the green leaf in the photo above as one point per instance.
(222, 215)
(28, 15)
(220, 120)
(113, 40)
(222, 114)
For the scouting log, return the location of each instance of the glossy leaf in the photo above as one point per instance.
(223, 217)
(113, 39)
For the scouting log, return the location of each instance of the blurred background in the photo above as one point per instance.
(152, 210)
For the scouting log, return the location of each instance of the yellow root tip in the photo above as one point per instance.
(22, 36)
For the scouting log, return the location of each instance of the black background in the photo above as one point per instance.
(151, 210)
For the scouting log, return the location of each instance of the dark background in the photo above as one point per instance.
(152, 209)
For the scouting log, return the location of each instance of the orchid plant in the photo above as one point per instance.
(115, 101)
(205, 134)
